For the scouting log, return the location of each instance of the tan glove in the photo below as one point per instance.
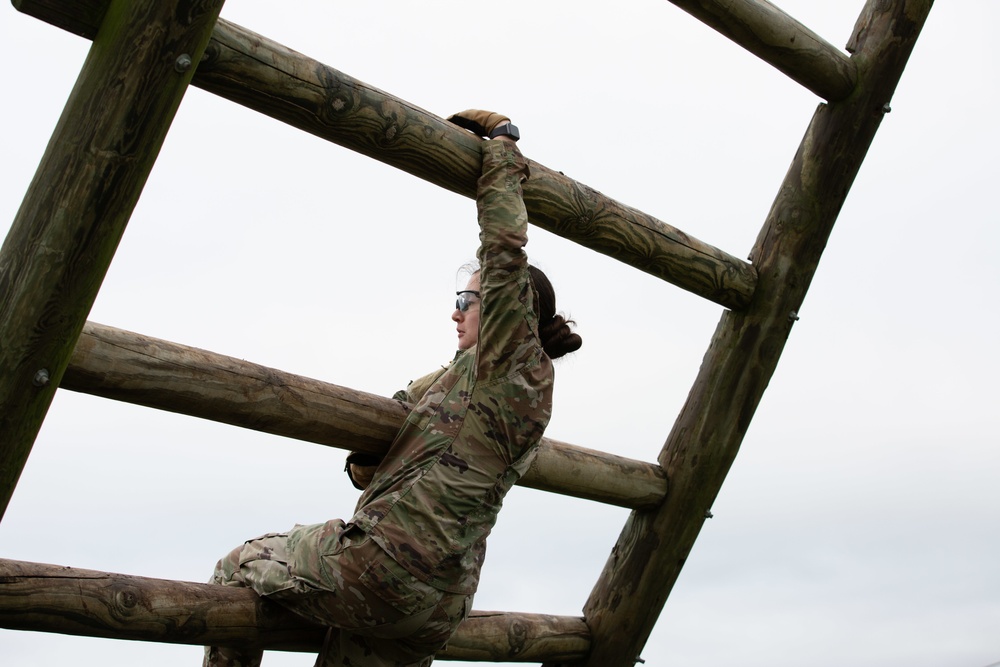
(478, 121)
(361, 476)
(360, 469)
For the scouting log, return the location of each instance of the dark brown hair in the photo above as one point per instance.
(554, 330)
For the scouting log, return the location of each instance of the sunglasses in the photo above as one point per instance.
(464, 300)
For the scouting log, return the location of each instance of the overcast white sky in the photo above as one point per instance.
(859, 524)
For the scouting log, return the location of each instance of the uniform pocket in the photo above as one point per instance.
(264, 564)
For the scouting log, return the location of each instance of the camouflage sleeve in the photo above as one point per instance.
(508, 326)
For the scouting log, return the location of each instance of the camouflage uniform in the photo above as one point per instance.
(398, 578)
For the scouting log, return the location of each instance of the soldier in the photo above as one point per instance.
(395, 580)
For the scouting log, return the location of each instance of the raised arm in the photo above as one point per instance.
(508, 324)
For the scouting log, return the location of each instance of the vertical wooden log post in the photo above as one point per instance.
(65, 234)
(653, 546)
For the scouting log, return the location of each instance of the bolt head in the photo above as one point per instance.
(183, 63)
(41, 378)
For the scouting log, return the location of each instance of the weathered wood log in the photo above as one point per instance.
(63, 238)
(490, 636)
(744, 352)
(778, 39)
(50, 598)
(759, 27)
(155, 373)
(265, 76)
(595, 475)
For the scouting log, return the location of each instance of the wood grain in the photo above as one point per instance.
(130, 367)
(270, 78)
(778, 39)
(654, 545)
(51, 598)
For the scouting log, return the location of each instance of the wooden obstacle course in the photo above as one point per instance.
(45, 317)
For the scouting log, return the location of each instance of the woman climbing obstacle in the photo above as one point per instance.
(395, 580)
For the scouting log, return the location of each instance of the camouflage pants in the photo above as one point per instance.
(333, 573)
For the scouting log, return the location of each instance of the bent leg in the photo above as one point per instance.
(262, 561)
(343, 579)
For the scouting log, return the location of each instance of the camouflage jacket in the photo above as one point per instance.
(476, 424)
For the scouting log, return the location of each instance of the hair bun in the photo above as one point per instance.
(558, 337)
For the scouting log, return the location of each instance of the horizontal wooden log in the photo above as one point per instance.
(778, 39)
(133, 368)
(51, 598)
(595, 475)
(129, 367)
(265, 76)
(492, 636)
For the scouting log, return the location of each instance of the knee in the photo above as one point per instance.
(227, 570)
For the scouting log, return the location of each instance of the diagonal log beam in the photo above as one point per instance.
(778, 39)
(251, 70)
(74, 213)
(653, 545)
(50, 598)
(125, 366)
